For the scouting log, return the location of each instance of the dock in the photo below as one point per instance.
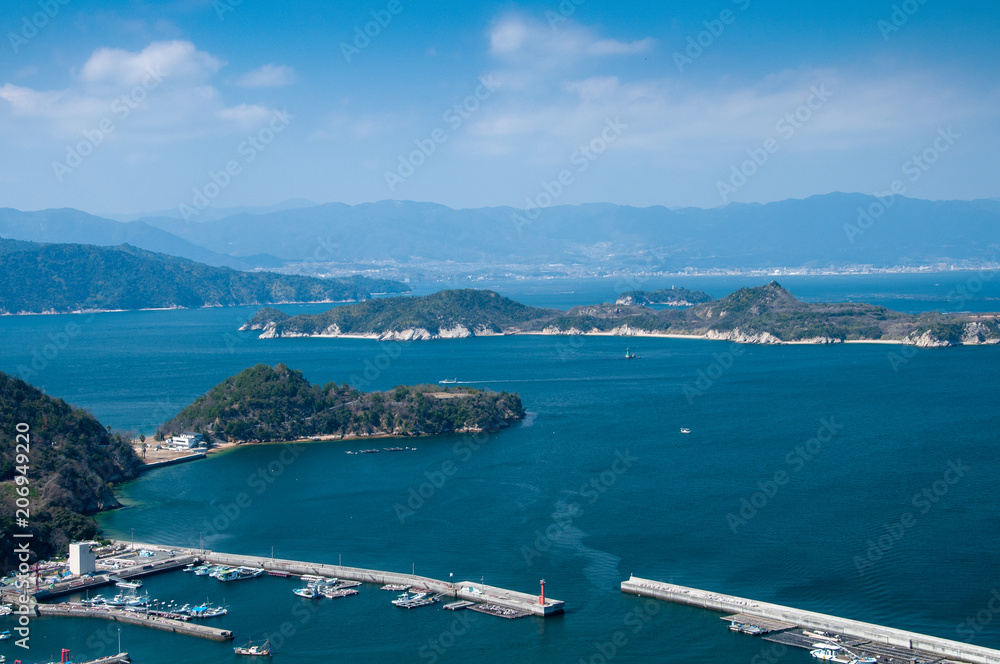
(465, 590)
(888, 642)
(134, 618)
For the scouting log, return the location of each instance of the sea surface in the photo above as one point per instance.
(801, 465)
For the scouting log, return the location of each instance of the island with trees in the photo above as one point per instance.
(273, 404)
(766, 314)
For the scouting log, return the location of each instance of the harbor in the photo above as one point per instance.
(827, 637)
(124, 564)
(476, 592)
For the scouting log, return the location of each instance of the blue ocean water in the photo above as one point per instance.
(801, 464)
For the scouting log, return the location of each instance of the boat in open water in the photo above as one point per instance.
(263, 650)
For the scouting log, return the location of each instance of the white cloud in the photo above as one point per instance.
(158, 95)
(268, 76)
(178, 60)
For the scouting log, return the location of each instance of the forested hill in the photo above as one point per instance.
(70, 463)
(36, 278)
(265, 404)
(672, 297)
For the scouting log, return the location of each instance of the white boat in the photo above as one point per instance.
(308, 592)
(685, 430)
(206, 611)
(448, 381)
(4, 635)
(129, 585)
(829, 652)
(263, 650)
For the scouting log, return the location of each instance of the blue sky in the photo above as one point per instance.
(135, 106)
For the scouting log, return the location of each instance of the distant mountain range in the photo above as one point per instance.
(760, 315)
(831, 230)
(36, 278)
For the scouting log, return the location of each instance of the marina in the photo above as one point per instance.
(476, 592)
(826, 637)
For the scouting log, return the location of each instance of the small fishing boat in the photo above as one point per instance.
(263, 650)
(685, 430)
(4, 635)
(129, 585)
(448, 381)
(206, 611)
(308, 592)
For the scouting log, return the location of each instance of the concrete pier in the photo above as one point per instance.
(932, 645)
(464, 590)
(166, 624)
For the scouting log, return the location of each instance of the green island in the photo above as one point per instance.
(269, 404)
(671, 297)
(766, 314)
(72, 461)
(62, 278)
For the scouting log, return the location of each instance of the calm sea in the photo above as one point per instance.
(857, 436)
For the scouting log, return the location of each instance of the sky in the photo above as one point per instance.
(121, 107)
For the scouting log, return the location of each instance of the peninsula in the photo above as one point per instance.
(766, 314)
(64, 278)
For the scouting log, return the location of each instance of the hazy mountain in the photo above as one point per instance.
(820, 231)
(214, 213)
(832, 229)
(67, 225)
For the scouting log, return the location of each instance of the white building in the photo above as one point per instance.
(82, 559)
(188, 440)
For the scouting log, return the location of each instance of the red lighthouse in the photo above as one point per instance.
(541, 598)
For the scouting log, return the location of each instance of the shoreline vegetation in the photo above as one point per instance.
(760, 315)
